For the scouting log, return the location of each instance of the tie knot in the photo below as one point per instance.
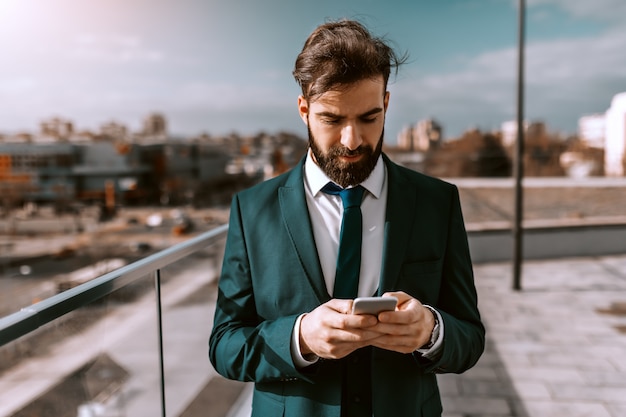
(350, 197)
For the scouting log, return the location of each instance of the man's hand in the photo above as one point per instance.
(406, 329)
(332, 332)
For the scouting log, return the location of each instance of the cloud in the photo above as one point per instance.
(229, 96)
(565, 79)
(612, 11)
(582, 61)
(113, 48)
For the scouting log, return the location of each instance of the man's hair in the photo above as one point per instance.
(340, 53)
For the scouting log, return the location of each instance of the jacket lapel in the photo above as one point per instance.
(400, 215)
(295, 214)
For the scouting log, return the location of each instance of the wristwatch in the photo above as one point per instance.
(435, 333)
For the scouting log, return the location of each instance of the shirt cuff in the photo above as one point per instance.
(298, 359)
(437, 335)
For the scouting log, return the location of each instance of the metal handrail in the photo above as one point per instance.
(32, 317)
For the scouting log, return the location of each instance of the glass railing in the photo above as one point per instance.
(132, 342)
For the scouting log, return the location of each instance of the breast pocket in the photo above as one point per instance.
(422, 280)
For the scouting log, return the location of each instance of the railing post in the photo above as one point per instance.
(157, 284)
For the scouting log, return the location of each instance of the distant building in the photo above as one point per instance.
(105, 164)
(614, 155)
(424, 135)
(59, 165)
(405, 138)
(509, 132)
(56, 129)
(155, 127)
(114, 130)
(592, 130)
(36, 172)
(21, 137)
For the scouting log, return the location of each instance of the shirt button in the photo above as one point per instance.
(356, 399)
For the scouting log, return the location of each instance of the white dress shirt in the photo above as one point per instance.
(326, 212)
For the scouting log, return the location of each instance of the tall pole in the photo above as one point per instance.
(519, 153)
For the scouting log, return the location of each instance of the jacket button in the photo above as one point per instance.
(356, 399)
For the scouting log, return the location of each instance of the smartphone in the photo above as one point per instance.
(373, 305)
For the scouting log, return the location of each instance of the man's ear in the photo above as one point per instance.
(303, 109)
(386, 100)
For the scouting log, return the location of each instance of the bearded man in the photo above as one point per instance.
(346, 222)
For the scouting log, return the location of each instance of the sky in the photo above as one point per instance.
(225, 66)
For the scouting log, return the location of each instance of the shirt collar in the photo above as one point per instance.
(317, 179)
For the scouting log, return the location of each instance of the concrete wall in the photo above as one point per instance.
(548, 242)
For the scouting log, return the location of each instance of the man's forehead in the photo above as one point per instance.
(340, 108)
(360, 96)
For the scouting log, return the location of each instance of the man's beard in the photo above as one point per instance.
(347, 173)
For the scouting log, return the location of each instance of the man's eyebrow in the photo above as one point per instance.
(330, 114)
(372, 112)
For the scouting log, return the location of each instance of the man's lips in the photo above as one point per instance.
(351, 158)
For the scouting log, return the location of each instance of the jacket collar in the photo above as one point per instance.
(295, 216)
(400, 215)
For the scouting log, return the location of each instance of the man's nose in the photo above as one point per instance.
(351, 137)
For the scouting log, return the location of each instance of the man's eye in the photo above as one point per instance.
(368, 119)
(330, 121)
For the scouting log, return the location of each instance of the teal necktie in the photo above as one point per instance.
(350, 237)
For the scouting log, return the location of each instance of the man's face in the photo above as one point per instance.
(346, 129)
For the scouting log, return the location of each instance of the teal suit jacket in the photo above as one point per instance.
(271, 274)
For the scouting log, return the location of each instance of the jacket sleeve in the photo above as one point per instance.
(464, 334)
(242, 345)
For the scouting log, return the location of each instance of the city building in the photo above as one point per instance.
(56, 129)
(106, 167)
(60, 166)
(154, 127)
(607, 132)
(615, 155)
(421, 137)
(509, 132)
(114, 130)
(36, 172)
(592, 130)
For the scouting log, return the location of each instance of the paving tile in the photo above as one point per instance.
(523, 347)
(518, 408)
(448, 385)
(619, 364)
(617, 410)
(480, 372)
(563, 409)
(606, 378)
(546, 374)
(583, 392)
(531, 390)
(575, 360)
(486, 406)
(513, 360)
(494, 389)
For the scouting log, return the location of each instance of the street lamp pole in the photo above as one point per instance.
(519, 153)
